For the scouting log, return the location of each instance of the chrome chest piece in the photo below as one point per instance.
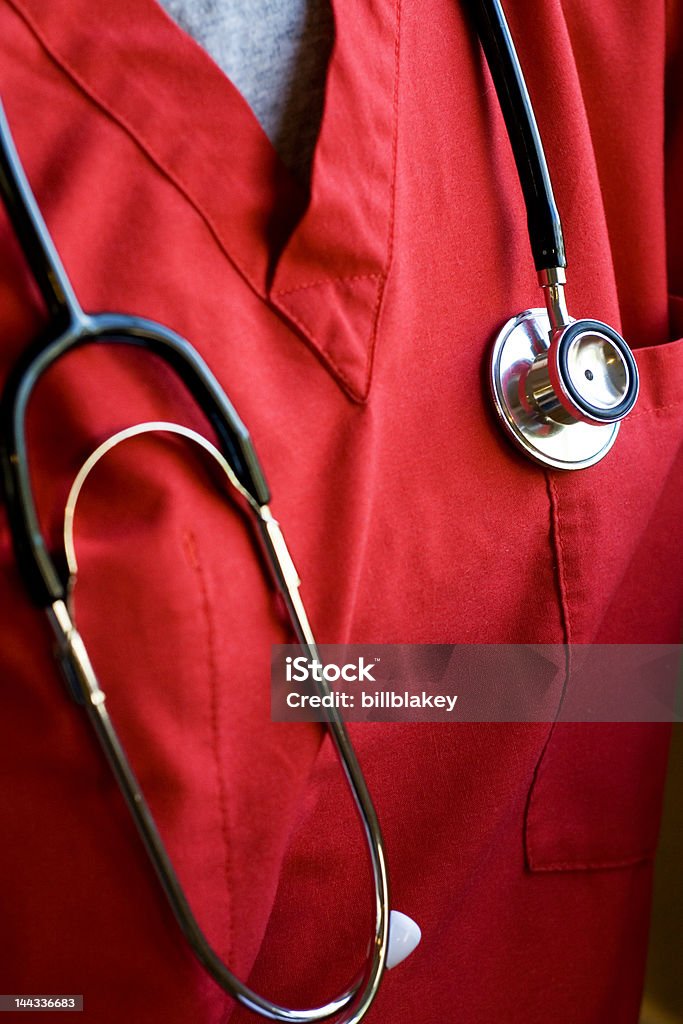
(561, 386)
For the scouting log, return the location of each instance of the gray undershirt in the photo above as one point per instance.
(276, 53)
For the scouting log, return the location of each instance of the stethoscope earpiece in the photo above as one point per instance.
(404, 937)
(561, 386)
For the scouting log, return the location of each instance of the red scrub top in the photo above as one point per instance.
(350, 332)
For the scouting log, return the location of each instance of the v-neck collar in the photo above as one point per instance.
(142, 70)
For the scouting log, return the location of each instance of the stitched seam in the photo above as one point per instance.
(561, 562)
(597, 865)
(655, 409)
(136, 136)
(329, 280)
(309, 335)
(373, 337)
(353, 392)
(392, 202)
(394, 146)
(561, 583)
(191, 548)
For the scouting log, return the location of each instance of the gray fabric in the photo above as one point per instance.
(276, 53)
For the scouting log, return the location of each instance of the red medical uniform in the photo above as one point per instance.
(351, 333)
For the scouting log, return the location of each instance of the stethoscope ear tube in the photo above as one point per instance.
(545, 228)
(37, 567)
(32, 232)
(44, 580)
(69, 328)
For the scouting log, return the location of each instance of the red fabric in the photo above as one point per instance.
(351, 335)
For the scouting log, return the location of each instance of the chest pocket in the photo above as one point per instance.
(595, 800)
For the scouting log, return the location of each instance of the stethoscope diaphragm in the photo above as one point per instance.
(560, 393)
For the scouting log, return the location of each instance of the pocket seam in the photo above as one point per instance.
(535, 863)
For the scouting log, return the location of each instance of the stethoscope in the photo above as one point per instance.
(560, 388)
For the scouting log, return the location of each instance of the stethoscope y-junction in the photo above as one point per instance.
(560, 387)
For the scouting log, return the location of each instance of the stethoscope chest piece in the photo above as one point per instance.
(560, 394)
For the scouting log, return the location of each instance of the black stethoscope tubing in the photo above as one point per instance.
(543, 218)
